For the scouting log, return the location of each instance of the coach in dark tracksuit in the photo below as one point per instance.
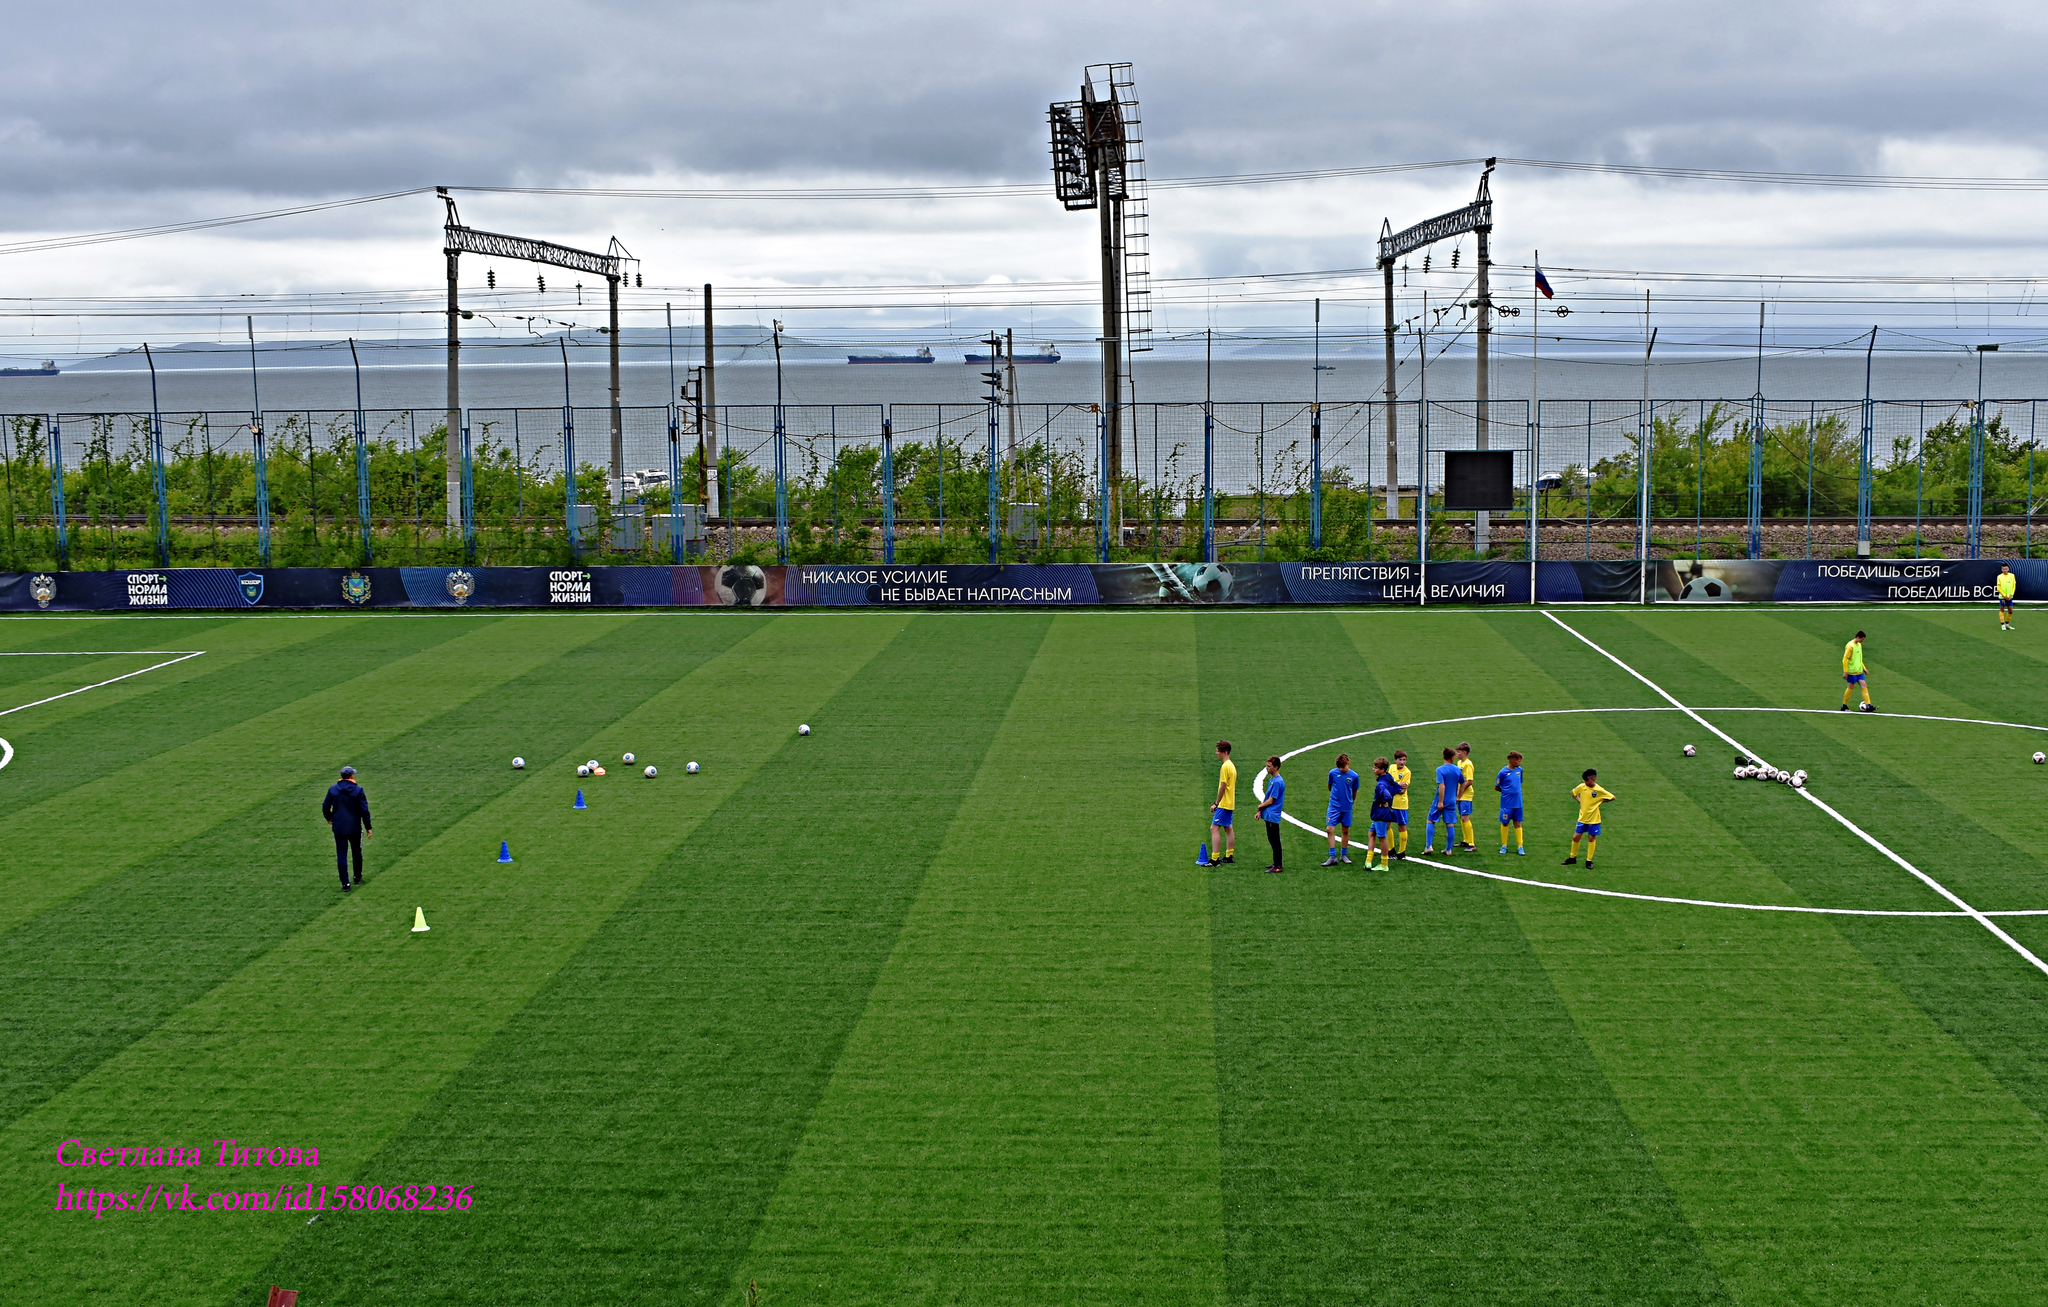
(347, 809)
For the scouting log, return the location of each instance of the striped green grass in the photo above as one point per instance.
(932, 1006)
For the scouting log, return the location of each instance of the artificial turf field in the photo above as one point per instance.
(933, 1006)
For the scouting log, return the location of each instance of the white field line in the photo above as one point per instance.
(82, 653)
(6, 753)
(97, 684)
(1818, 802)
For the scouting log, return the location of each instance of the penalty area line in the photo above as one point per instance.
(1818, 802)
(97, 684)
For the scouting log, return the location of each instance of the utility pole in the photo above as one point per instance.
(454, 434)
(1393, 450)
(618, 429)
(1010, 356)
(709, 389)
(1482, 520)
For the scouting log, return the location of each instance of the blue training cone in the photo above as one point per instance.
(579, 800)
(1202, 855)
(504, 851)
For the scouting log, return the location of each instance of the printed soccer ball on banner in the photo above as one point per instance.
(692, 769)
(519, 764)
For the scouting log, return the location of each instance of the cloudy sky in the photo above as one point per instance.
(118, 115)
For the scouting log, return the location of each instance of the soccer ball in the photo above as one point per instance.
(2040, 757)
(592, 764)
(803, 730)
(692, 769)
(583, 769)
(1766, 773)
(1864, 707)
(1799, 779)
(597, 771)
(649, 773)
(627, 758)
(519, 764)
(1744, 773)
(1690, 751)
(1738, 773)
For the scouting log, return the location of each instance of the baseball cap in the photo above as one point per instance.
(348, 771)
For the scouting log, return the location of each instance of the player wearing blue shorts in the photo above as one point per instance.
(1443, 805)
(1509, 783)
(1590, 797)
(1467, 843)
(1399, 771)
(1385, 789)
(1224, 810)
(1854, 676)
(1337, 822)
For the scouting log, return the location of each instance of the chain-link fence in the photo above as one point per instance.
(1028, 482)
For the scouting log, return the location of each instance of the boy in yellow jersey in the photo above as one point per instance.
(1224, 810)
(1853, 674)
(2008, 586)
(1465, 842)
(1399, 771)
(1590, 797)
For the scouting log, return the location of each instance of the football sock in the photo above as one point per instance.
(1589, 849)
(1518, 835)
(1465, 825)
(1403, 848)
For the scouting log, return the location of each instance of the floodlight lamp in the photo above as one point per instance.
(1987, 349)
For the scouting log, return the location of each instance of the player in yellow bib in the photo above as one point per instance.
(2008, 586)
(1399, 771)
(1853, 675)
(1590, 797)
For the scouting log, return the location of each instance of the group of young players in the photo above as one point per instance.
(1450, 807)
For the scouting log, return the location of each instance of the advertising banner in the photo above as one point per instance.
(740, 585)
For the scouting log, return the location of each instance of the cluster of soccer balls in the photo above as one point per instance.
(1752, 770)
(593, 768)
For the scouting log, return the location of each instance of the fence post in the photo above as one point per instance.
(1975, 528)
(1863, 478)
(363, 482)
(1422, 503)
(569, 480)
(1102, 484)
(675, 483)
(995, 490)
(57, 489)
(1315, 476)
(1208, 481)
(1535, 416)
(163, 501)
(468, 496)
(888, 486)
(781, 490)
(262, 488)
(1756, 477)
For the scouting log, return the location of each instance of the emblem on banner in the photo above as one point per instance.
(42, 587)
(252, 586)
(355, 587)
(461, 585)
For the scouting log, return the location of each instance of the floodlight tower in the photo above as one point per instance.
(1474, 217)
(1098, 162)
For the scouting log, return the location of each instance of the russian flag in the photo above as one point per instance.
(1543, 284)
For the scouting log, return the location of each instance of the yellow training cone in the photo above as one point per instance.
(419, 920)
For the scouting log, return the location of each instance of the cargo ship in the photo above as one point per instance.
(1045, 354)
(923, 355)
(49, 369)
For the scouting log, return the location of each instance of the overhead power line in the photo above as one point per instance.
(1004, 190)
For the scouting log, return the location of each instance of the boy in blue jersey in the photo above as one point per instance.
(1509, 783)
(1443, 806)
(1273, 807)
(1385, 789)
(1337, 822)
